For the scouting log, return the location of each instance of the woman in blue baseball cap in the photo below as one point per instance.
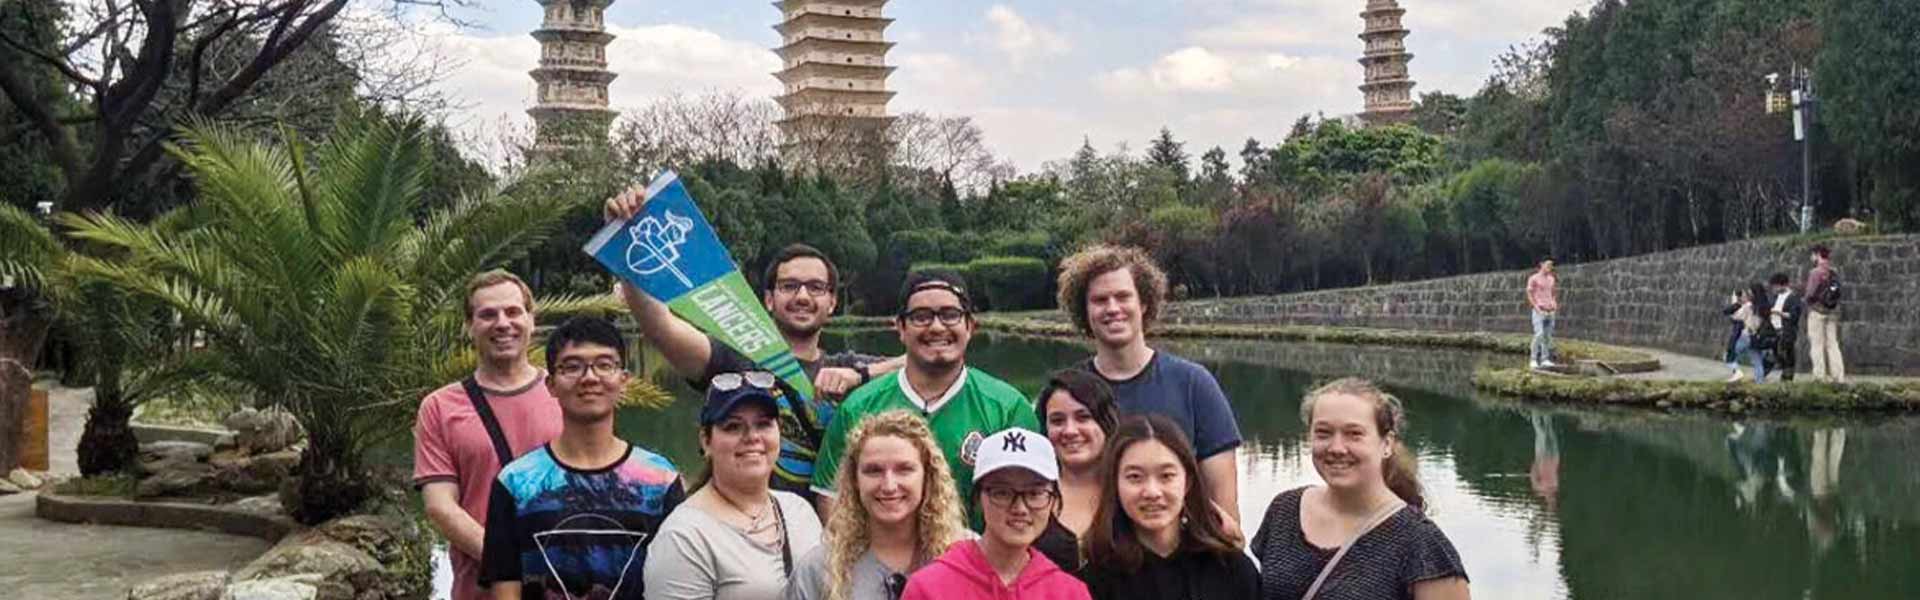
(735, 538)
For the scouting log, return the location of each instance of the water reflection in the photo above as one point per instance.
(1554, 502)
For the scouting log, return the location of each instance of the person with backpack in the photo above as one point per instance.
(1823, 318)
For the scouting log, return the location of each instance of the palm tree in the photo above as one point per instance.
(124, 342)
(317, 290)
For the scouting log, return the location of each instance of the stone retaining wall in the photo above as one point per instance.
(1669, 300)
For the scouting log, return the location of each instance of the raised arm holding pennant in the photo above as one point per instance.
(670, 252)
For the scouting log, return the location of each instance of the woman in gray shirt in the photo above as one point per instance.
(898, 510)
(735, 538)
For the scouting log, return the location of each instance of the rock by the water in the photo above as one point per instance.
(204, 585)
(253, 474)
(378, 536)
(308, 553)
(297, 587)
(264, 431)
(7, 487)
(259, 505)
(179, 480)
(26, 481)
(162, 456)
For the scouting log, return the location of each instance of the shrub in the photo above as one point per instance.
(1010, 282)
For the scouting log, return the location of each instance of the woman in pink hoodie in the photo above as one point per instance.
(1016, 491)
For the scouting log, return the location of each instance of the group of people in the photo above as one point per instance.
(1766, 323)
(908, 477)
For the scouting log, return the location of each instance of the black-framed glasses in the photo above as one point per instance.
(924, 317)
(1035, 499)
(896, 586)
(573, 369)
(727, 382)
(793, 287)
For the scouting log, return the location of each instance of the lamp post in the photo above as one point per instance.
(1802, 100)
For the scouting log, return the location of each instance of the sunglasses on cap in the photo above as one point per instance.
(727, 382)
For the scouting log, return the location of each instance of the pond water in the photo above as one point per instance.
(1547, 501)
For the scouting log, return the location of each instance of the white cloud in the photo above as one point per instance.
(1021, 39)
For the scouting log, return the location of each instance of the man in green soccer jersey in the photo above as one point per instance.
(961, 404)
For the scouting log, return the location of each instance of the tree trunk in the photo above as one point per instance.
(331, 481)
(107, 445)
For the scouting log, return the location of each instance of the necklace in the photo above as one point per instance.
(757, 522)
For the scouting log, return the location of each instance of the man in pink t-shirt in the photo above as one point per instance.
(1546, 305)
(455, 457)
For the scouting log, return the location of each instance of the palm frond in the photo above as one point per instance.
(372, 178)
(27, 248)
(564, 306)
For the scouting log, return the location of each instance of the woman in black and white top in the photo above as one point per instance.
(1364, 534)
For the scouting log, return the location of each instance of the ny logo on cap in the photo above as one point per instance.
(1014, 442)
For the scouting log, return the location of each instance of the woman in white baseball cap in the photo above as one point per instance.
(1016, 490)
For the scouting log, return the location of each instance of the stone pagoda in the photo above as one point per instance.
(834, 73)
(1388, 89)
(571, 109)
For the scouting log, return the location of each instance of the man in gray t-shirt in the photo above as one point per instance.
(1113, 294)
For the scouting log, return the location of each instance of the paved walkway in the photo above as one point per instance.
(1685, 367)
(45, 559)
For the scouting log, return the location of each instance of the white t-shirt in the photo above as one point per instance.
(697, 557)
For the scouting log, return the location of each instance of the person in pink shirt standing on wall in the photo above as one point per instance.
(1546, 305)
(468, 429)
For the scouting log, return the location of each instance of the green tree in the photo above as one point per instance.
(1170, 154)
(315, 288)
(1869, 82)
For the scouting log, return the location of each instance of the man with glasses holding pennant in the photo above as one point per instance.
(960, 403)
(574, 518)
(798, 290)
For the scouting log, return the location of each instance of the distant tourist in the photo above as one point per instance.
(735, 538)
(1823, 317)
(1788, 310)
(1114, 295)
(1015, 491)
(1364, 535)
(1077, 409)
(1756, 333)
(898, 511)
(799, 290)
(1155, 535)
(573, 518)
(1545, 302)
(1736, 332)
(467, 430)
(961, 404)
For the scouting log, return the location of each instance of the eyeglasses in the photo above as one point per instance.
(896, 585)
(1035, 499)
(574, 369)
(923, 317)
(792, 287)
(727, 382)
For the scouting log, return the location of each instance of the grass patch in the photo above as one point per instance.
(1704, 395)
(192, 408)
(116, 485)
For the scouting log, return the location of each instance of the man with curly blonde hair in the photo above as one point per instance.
(1113, 295)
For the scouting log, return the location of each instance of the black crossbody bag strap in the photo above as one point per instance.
(478, 397)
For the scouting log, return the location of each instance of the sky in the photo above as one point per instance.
(1038, 76)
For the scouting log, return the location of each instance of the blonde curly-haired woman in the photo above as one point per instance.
(904, 513)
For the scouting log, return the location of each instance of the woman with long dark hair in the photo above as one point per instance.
(1155, 534)
(1077, 412)
(1365, 534)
